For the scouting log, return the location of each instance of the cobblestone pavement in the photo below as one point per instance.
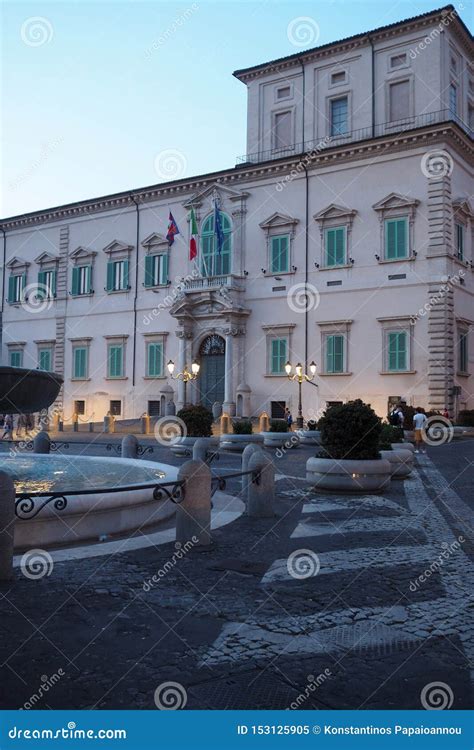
(321, 607)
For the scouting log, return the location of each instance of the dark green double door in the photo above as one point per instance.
(212, 379)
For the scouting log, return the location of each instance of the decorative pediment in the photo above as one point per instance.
(278, 221)
(335, 213)
(155, 242)
(463, 209)
(216, 191)
(46, 259)
(207, 304)
(18, 264)
(395, 201)
(117, 247)
(82, 253)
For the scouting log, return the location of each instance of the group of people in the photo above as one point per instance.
(24, 424)
(397, 419)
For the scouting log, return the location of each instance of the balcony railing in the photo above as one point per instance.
(387, 128)
(212, 282)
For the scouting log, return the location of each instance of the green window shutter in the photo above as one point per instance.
(460, 241)
(396, 238)
(75, 281)
(110, 276)
(163, 269)
(125, 274)
(338, 353)
(53, 284)
(397, 351)
(155, 360)
(150, 261)
(279, 255)
(330, 247)
(330, 354)
(41, 292)
(88, 284)
(11, 289)
(278, 356)
(390, 240)
(336, 246)
(45, 360)
(402, 249)
(15, 359)
(115, 361)
(80, 362)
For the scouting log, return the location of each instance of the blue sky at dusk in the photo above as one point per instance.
(108, 96)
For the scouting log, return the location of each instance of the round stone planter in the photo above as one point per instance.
(280, 439)
(237, 443)
(403, 447)
(401, 462)
(184, 446)
(409, 434)
(349, 475)
(309, 437)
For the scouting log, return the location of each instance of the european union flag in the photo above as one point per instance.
(219, 234)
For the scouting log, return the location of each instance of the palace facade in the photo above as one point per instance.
(347, 240)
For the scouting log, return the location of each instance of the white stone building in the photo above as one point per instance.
(348, 240)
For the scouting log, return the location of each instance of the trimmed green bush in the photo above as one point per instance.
(466, 418)
(242, 427)
(351, 431)
(312, 425)
(198, 420)
(389, 434)
(278, 425)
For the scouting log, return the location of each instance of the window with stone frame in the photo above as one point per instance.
(397, 228)
(17, 280)
(80, 348)
(280, 233)
(462, 348)
(118, 267)
(397, 345)
(155, 355)
(278, 338)
(156, 271)
(463, 230)
(334, 356)
(335, 226)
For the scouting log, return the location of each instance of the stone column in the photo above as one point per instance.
(193, 513)
(229, 387)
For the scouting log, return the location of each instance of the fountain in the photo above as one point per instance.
(64, 500)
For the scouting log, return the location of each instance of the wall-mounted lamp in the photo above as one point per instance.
(263, 270)
(316, 264)
(377, 257)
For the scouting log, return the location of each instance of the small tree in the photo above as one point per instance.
(198, 420)
(351, 431)
(242, 426)
(278, 425)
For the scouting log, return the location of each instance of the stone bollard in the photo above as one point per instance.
(145, 420)
(129, 447)
(109, 424)
(170, 409)
(75, 422)
(262, 493)
(193, 513)
(60, 426)
(200, 448)
(7, 525)
(225, 424)
(56, 420)
(91, 426)
(41, 442)
(263, 422)
(247, 453)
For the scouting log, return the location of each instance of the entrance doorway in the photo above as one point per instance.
(212, 372)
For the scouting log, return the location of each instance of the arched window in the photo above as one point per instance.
(212, 262)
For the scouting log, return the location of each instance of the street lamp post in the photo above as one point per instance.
(185, 376)
(300, 378)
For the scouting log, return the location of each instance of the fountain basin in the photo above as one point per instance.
(96, 513)
(24, 391)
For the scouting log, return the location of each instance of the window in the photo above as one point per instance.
(460, 241)
(154, 408)
(16, 359)
(213, 262)
(399, 101)
(277, 409)
(335, 353)
(339, 111)
(115, 361)
(156, 270)
(397, 351)
(463, 361)
(453, 99)
(81, 280)
(80, 407)
(115, 408)
(16, 285)
(117, 276)
(396, 238)
(338, 77)
(46, 285)
(335, 246)
(278, 356)
(279, 254)
(154, 359)
(282, 130)
(398, 61)
(284, 92)
(45, 360)
(453, 63)
(79, 362)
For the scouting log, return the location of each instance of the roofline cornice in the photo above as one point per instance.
(235, 175)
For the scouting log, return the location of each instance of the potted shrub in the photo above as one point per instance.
(277, 435)
(241, 436)
(401, 459)
(310, 436)
(351, 460)
(198, 424)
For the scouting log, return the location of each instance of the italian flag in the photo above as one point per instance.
(193, 236)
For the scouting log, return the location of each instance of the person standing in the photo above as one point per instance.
(289, 419)
(8, 427)
(419, 421)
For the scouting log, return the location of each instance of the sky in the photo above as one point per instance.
(100, 97)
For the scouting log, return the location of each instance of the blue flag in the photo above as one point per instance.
(219, 234)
